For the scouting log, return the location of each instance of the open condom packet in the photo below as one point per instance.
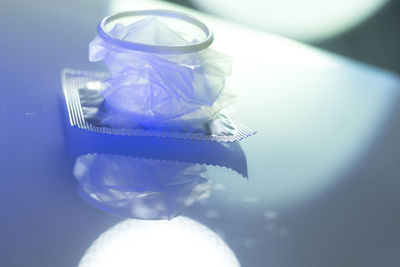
(164, 80)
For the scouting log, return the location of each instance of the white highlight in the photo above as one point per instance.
(300, 19)
(180, 242)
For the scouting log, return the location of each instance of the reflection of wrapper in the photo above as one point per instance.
(155, 89)
(140, 188)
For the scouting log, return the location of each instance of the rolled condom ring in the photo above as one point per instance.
(195, 24)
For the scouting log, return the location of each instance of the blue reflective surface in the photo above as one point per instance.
(323, 186)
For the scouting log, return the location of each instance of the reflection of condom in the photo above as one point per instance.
(161, 69)
(140, 188)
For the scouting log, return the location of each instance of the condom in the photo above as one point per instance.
(163, 80)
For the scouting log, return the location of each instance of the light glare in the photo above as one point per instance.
(180, 242)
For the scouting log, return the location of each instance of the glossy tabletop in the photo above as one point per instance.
(324, 167)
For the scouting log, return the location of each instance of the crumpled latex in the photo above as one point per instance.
(159, 89)
(140, 188)
(86, 111)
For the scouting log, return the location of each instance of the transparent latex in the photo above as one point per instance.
(153, 89)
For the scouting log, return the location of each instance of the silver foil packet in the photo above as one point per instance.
(88, 110)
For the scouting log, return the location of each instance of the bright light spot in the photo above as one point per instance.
(93, 85)
(300, 19)
(180, 242)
